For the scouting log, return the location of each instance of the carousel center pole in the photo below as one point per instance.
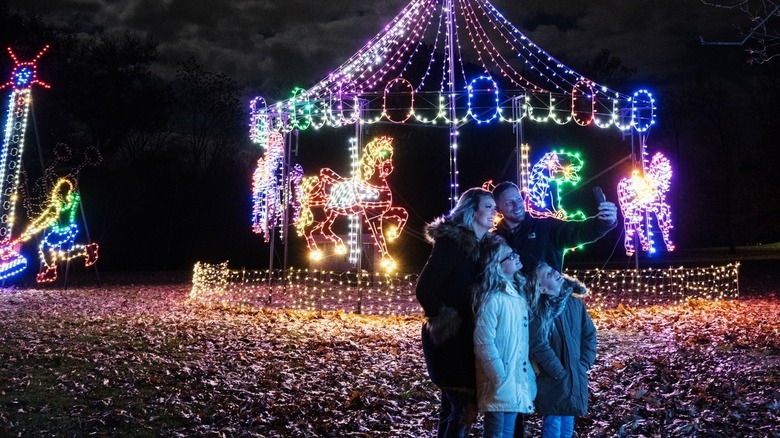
(450, 5)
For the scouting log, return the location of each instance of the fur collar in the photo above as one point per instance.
(550, 307)
(463, 237)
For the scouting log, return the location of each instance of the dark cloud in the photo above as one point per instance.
(270, 45)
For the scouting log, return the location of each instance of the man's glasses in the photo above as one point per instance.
(512, 256)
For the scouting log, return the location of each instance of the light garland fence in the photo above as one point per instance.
(215, 285)
(651, 286)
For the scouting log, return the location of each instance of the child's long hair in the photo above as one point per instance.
(546, 307)
(491, 277)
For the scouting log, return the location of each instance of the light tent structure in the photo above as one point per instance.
(451, 62)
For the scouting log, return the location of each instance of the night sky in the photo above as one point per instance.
(268, 47)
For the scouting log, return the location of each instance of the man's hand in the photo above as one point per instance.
(607, 212)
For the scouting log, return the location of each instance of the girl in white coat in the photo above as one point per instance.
(506, 382)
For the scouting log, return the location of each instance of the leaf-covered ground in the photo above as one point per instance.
(143, 361)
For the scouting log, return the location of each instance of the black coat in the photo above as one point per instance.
(443, 291)
(544, 239)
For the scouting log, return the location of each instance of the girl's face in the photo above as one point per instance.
(483, 217)
(550, 280)
(509, 261)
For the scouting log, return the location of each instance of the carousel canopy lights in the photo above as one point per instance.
(414, 70)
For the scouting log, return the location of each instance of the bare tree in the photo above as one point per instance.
(761, 39)
(209, 115)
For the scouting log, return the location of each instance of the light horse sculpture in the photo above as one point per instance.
(642, 195)
(366, 194)
(553, 169)
(270, 195)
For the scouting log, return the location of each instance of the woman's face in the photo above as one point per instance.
(483, 217)
(550, 280)
(509, 261)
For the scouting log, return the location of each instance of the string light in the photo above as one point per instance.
(365, 194)
(554, 169)
(270, 195)
(59, 243)
(642, 110)
(23, 77)
(643, 195)
(215, 285)
(428, 33)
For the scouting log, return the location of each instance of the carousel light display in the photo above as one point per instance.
(23, 77)
(271, 192)
(366, 194)
(519, 80)
(215, 285)
(546, 181)
(642, 196)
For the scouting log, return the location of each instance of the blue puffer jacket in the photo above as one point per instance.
(506, 381)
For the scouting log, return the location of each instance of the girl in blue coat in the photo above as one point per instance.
(506, 382)
(563, 345)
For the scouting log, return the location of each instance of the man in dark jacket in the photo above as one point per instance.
(544, 239)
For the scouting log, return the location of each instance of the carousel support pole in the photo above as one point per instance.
(636, 159)
(359, 223)
(453, 113)
(287, 195)
(287, 142)
(520, 149)
(272, 240)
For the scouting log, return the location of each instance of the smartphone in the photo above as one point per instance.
(599, 194)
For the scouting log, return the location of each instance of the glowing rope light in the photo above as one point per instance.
(525, 168)
(259, 126)
(411, 99)
(578, 95)
(59, 243)
(300, 109)
(642, 108)
(270, 193)
(640, 196)
(553, 169)
(23, 77)
(366, 194)
(491, 89)
(436, 27)
(266, 199)
(354, 219)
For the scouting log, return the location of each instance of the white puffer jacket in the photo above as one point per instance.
(506, 382)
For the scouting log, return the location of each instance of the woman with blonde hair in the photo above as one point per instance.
(443, 292)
